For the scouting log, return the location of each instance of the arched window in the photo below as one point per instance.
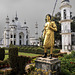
(14, 35)
(10, 42)
(20, 36)
(27, 36)
(11, 36)
(27, 42)
(64, 13)
(20, 42)
(14, 42)
(70, 15)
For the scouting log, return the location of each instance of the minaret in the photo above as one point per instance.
(65, 25)
(6, 33)
(7, 23)
(36, 31)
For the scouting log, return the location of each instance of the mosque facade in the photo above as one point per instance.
(14, 33)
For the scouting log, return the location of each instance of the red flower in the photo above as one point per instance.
(72, 62)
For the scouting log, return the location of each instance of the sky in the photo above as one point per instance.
(29, 10)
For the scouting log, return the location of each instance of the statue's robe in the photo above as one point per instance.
(48, 34)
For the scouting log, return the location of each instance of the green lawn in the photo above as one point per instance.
(6, 56)
(21, 53)
(27, 54)
(6, 51)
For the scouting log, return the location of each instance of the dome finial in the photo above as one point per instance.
(16, 18)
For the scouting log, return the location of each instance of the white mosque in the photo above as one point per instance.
(16, 34)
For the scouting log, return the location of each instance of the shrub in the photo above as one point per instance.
(22, 61)
(73, 54)
(13, 54)
(65, 72)
(56, 51)
(4, 64)
(2, 53)
(68, 64)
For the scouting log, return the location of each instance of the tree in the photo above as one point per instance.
(73, 24)
(57, 35)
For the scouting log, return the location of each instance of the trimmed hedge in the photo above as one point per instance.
(2, 53)
(13, 54)
(17, 63)
(36, 50)
(22, 61)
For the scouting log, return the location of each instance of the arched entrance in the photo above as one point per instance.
(21, 38)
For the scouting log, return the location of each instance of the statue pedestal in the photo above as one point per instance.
(50, 66)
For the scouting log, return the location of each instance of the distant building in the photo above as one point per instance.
(35, 40)
(67, 36)
(14, 33)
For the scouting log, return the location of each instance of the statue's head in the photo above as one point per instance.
(48, 17)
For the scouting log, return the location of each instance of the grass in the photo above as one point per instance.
(21, 53)
(6, 51)
(27, 54)
(6, 56)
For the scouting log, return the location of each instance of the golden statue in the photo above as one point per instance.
(48, 35)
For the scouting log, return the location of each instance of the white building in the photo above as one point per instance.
(15, 34)
(35, 40)
(66, 25)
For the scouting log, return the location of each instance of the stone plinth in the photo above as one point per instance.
(48, 65)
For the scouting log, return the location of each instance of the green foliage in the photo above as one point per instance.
(33, 60)
(13, 54)
(57, 18)
(17, 63)
(22, 61)
(73, 24)
(64, 72)
(2, 53)
(35, 50)
(56, 51)
(68, 64)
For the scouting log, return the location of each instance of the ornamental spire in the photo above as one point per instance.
(16, 18)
